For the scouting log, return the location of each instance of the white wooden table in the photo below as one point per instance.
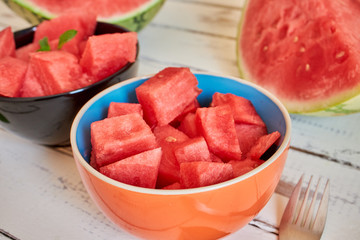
(41, 194)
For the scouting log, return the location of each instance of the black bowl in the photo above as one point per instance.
(47, 120)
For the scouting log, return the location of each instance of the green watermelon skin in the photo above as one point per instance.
(135, 21)
(305, 52)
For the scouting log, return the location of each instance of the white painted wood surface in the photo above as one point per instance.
(41, 194)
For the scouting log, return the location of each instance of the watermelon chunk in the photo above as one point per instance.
(188, 125)
(173, 186)
(200, 174)
(218, 128)
(31, 86)
(12, 74)
(242, 109)
(7, 43)
(107, 53)
(263, 144)
(83, 22)
(23, 52)
(120, 108)
(192, 150)
(56, 71)
(138, 170)
(69, 46)
(247, 135)
(168, 139)
(244, 166)
(166, 95)
(119, 137)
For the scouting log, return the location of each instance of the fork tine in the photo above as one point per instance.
(291, 206)
(300, 217)
(320, 219)
(310, 213)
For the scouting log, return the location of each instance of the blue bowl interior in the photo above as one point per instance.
(266, 108)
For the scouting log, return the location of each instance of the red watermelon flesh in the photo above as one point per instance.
(138, 170)
(173, 186)
(70, 46)
(83, 22)
(247, 135)
(218, 128)
(57, 71)
(120, 108)
(23, 52)
(31, 86)
(242, 109)
(119, 137)
(244, 166)
(165, 95)
(200, 174)
(107, 53)
(263, 144)
(306, 52)
(12, 74)
(168, 139)
(192, 150)
(188, 125)
(191, 108)
(7, 43)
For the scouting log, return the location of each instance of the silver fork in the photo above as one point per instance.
(305, 219)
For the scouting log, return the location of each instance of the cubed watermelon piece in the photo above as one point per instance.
(120, 108)
(189, 109)
(119, 137)
(200, 174)
(70, 46)
(23, 52)
(138, 170)
(7, 43)
(242, 108)
(192, 150)
(248, 134)
(31, 86)
(218, 128)
(243, 166)
(107, 53)
(188, 126)
(165, 95)
(12, 74)
(83, 22)
(173, 186)
(263, 144)
(168, 139)
(57, 71)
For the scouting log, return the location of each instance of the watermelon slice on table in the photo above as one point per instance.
(131, 14)
(138, 170)
(107, 53)
(263, 144)
(119, 137)
(305, 52)
(200, 174)
(12, 74)
(244, 166)
(119, 108)
(247, 135)
(192, 150)
(7, 43)
(242, 109)
(217, 126)
(56, 71)
(165, 95)
(168, 139)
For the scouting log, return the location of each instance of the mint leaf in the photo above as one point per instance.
(65, 37)
(44, 45)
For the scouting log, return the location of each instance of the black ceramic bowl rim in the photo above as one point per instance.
(72, 92)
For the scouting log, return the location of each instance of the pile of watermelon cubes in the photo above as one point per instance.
(167, 141)
(83, 60)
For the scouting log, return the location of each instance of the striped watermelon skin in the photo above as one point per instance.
(134, 21)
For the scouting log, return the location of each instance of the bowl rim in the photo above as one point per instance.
(78, 157)
(78, 90)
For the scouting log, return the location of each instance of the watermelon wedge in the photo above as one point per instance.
(131, 14)
(7, 43)
(305, 52)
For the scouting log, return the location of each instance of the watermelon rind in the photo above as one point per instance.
(342, 104)
(134, 21)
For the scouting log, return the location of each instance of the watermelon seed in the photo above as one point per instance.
(170, 139)
(340, 54)
(265, 48)
(296, 38)
(307, 67)
(302, 49)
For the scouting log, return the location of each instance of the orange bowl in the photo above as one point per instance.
(207, 212)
